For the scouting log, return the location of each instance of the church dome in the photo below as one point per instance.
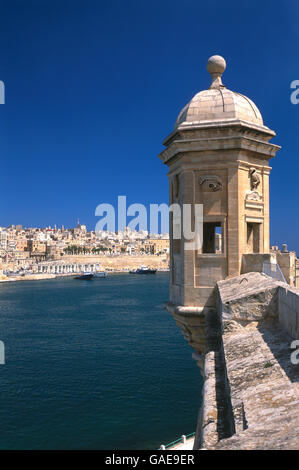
(218, 104)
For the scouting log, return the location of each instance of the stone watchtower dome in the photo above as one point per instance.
(218, 103)
(218, 156)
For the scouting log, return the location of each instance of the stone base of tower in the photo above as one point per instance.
(193, 322)
(199, 297)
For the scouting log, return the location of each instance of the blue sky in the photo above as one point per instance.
(93, 88)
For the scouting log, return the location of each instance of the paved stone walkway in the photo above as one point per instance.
(264, 387)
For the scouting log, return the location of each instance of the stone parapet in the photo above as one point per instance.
(251, 386)
(255, 262)
(288, 310)
(263, 389)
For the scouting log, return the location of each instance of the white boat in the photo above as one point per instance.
(101, 274)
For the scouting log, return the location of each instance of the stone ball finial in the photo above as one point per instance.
(216, 66)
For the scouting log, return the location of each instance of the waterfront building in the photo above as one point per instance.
(3, 239)
(26, 247)
(65, 267)
(154, 245)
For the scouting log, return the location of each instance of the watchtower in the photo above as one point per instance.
(218, 156)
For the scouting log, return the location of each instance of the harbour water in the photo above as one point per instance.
(94, 365)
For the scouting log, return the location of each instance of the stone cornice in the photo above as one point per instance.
(223, 143)
(223, 126)
(237, 163)
(186, 311)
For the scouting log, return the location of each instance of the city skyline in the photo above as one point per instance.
(90, 92)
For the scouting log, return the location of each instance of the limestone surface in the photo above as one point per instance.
(264, 390)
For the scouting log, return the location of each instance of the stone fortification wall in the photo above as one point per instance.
(251, 389)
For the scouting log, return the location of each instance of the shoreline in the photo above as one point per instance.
(40, 277)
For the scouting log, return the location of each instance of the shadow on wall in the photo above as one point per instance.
(279, 343)
(286, 331)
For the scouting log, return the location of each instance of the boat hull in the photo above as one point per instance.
(144, 271)
(84, 277)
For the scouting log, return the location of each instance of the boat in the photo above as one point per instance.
(85, 276)
(101, 274)
(143, 270)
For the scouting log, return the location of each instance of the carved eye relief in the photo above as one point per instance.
(210, 183)
(215, 186)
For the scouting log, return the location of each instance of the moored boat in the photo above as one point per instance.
(85, 276)
(143, 270)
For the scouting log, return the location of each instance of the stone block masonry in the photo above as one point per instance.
(254, 396)
(288, 308)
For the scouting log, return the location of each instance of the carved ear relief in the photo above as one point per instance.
(255, 179)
